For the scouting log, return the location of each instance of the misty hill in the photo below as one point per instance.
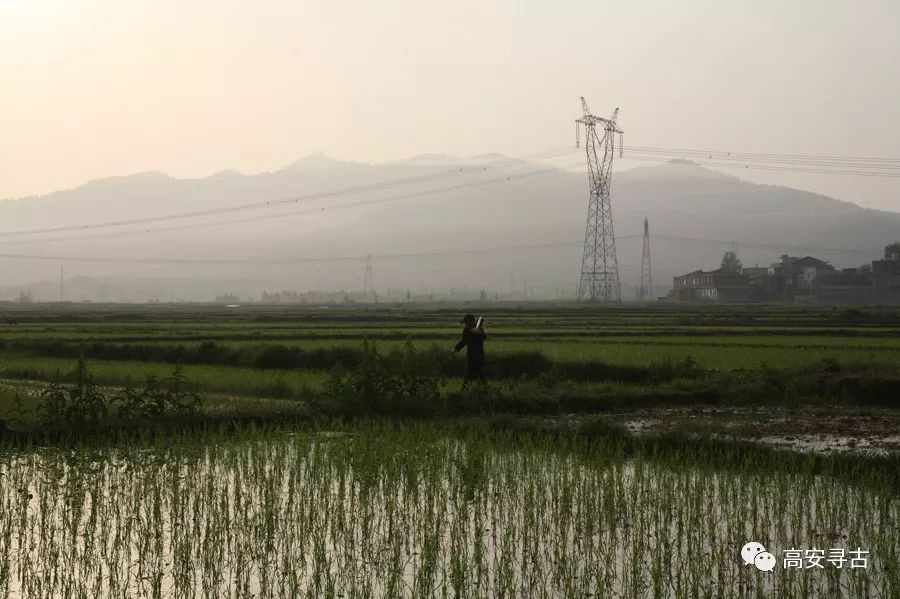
(692, 211)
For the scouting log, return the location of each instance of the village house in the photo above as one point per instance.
(795, 277)
(886, 277)
(713, 286)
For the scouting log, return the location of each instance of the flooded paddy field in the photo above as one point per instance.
(382, 509)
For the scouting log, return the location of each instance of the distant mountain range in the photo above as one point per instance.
(695, 214)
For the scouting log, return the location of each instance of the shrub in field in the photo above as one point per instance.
(537, 367)
(278, 356)
(210, 352)
(405, 382)
(776, 378)
(689, 368)
(780, 383)
(156, 399)
(80, 404)
(669, 370)
(84, 404)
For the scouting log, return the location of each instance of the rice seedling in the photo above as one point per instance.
(382, 509)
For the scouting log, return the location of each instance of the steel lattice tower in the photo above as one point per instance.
(599, 267)
(368, 286)
(646, 276)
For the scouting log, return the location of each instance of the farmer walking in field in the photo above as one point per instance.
(473, 337)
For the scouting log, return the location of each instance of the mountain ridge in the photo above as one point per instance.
(705, 209)
(676, 167)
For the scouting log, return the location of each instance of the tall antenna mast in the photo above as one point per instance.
(599, 266)
(646, 276)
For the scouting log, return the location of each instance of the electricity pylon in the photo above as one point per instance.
(646, 276)
(599, 267)
(368, 286)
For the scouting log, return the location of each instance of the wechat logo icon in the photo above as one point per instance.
(754, 553)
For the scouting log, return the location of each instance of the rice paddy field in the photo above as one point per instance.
(430, 510)
(275, 499)
(279, 350)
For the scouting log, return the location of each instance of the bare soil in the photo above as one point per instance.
(803, 428)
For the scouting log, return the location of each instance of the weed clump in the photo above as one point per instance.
(83, 404)
(78, 405)
(403, 383)
(669, 370)
(157, 399)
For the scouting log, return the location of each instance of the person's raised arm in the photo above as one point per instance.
(461, 344)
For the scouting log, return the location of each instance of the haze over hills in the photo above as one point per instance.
(694, 212)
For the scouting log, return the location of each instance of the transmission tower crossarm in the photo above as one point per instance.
(608, 124)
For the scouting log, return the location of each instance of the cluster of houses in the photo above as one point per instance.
(796, 280)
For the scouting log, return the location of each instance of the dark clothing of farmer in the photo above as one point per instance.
(473, 340)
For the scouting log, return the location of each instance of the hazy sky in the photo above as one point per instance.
(94, 88)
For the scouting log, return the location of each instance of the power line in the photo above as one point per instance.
(753, 166)
(765, 154)
(294, 261)
(782, 161)
(768, 246)
(427, 254)
(858, 166)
